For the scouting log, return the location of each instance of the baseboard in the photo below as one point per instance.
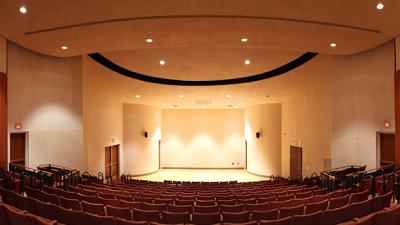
(143, 174)
(205, 168)
(266, 176)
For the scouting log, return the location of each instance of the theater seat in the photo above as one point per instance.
(284, 221)
(70, 217)
(205, 218)
(175, 217)
(92, 219)
(119, 212)
(236, 217)
(119, 221)
(388, 216)
(308, 219)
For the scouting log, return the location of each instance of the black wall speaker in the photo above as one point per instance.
(146, 134)
(258, 134)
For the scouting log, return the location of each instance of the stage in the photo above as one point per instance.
(239, 175)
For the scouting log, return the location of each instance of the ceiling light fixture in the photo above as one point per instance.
(247, 62)
(333, 45)
(23, 9)
(149, 40)
(243, 39)
(64, 47)
(228, 96)
(380, 5)
(162, 62)
(137, 96)
(181, 96)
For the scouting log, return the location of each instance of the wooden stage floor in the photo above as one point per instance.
(239, 175)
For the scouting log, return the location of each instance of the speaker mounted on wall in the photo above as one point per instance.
(258, 134)
(146, 134)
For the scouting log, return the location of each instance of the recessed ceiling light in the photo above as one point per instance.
(64, 47)
(181, 96)
(23, 9)
(228, 96)
(333, 45)
(162, 62)
(243, 39)
(173, 106)
(137, 96)
(202, 106)
(247, 61)
(149, 40)
(380, 5)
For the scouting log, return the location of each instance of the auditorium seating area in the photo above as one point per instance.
(145, 202)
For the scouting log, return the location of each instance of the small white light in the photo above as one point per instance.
(149, 40)
(243, 40)
(247, 62)
(202, 106)
(228, 96)
(162, 62)
(64, 47)
(23, 9)
(181, 96)
(380, 5)
(137, 96)
(333, 45)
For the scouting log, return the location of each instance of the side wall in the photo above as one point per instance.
(102, 116)
(141, 154)
(263, 153)
(203, 138)
(3, 104)
(306, 118)
(362, 99)
(45, 96)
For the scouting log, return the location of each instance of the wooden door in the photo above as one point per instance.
(112, 163)
(17, 148)
(387, 148)
(295, 161)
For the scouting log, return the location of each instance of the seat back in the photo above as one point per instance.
(46, 210)
(284, 221)
(119, 212)
(236, 217)
(388, 216)
(70, 217)
(335, 216)
(359, 196)
(93, 208)
(338, 202)
(360, 209)
(316, 207)
(308, 219)
(175, 217)
(67, 203)
(16, 217)
(206, 209)
(265, 215)
(205, 218)
(381, 201)
(92, 219)
(146, 215)
(231, 208)
(291, 211)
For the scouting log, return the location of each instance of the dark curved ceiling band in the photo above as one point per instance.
(203, 16)
(158, 80)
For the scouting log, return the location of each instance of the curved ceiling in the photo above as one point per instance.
(296, 25)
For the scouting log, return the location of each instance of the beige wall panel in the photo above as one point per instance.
(141, 154)
(363, 98)
(45, 95)
(3, 55)
(264, 153)
(397, 42)
(205, 138)
(306, 118)
(102, 116)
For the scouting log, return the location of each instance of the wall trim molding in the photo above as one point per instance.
(204, 168)
(99, 58)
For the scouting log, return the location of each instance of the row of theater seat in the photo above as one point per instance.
(234, 214)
